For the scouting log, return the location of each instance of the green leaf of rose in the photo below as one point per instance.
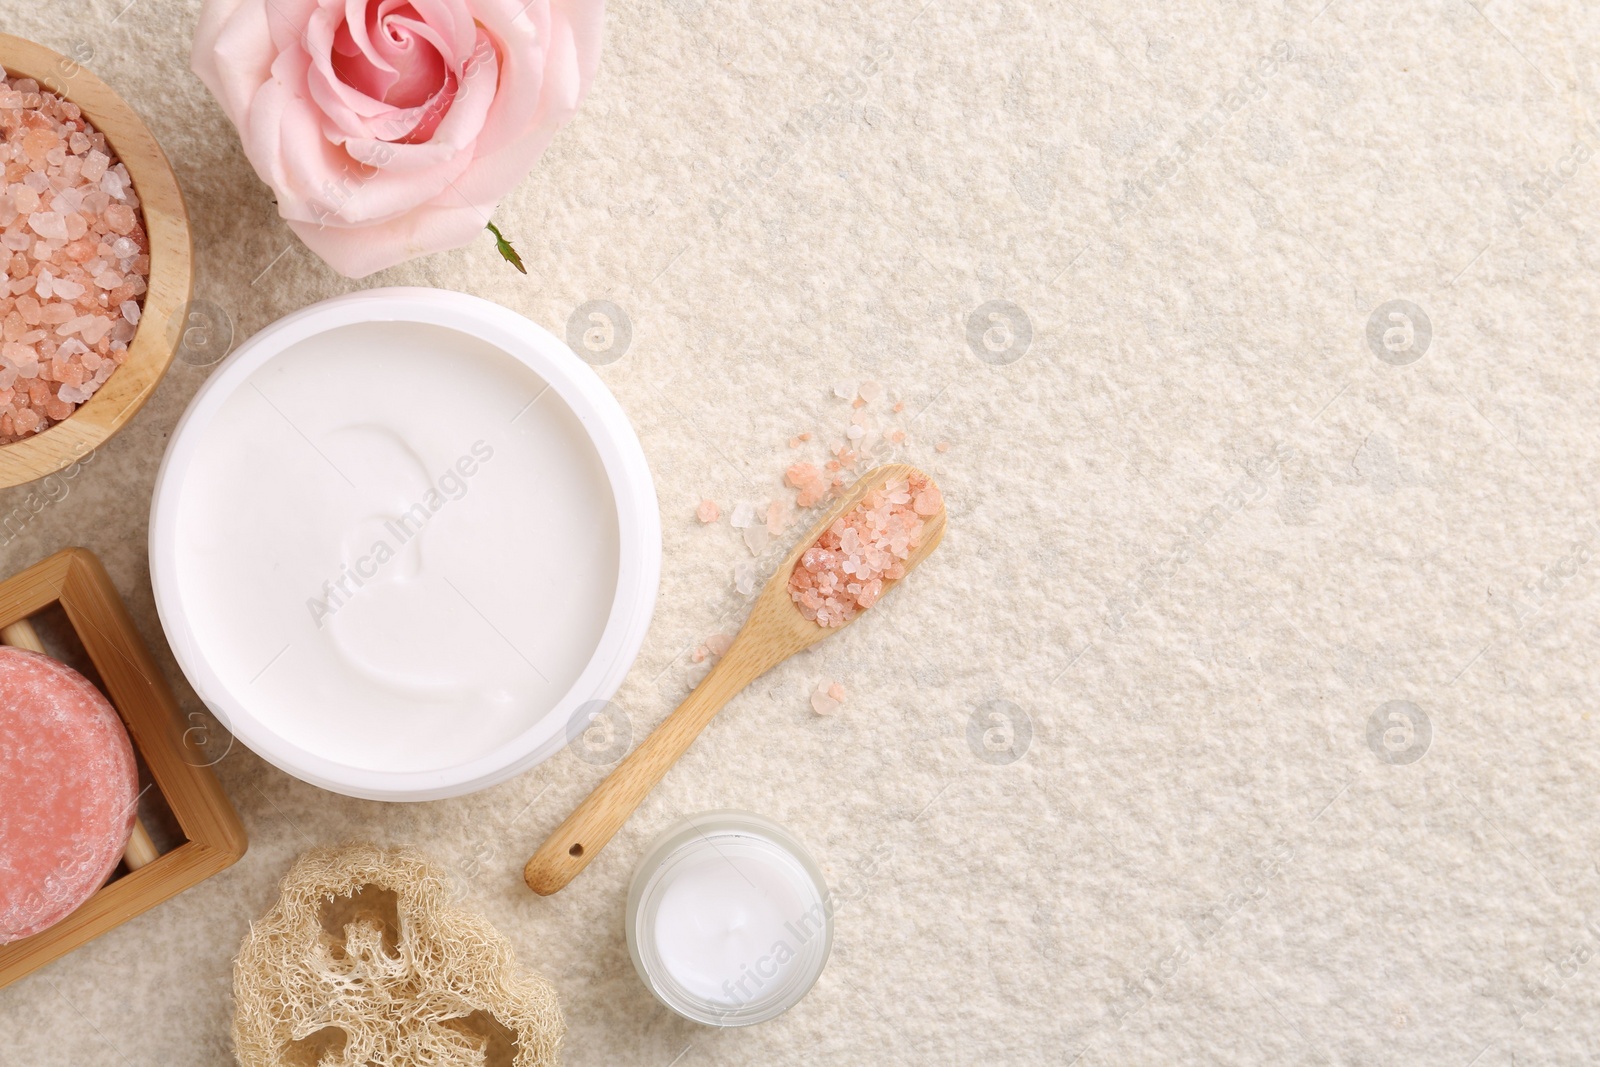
(507, 253)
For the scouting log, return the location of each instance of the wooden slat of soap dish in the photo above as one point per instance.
(215, 839)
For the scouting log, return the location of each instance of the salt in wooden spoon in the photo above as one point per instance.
(774, 631)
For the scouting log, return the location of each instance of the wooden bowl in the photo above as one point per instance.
(171, 267)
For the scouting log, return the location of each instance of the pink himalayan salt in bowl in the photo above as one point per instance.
(843, 572)
(75, 259)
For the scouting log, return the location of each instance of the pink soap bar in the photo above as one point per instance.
(69, 789)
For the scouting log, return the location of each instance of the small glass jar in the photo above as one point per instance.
(729, 919)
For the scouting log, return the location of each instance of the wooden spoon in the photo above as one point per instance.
(774, 631)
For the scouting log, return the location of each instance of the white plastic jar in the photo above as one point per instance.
(403, 542)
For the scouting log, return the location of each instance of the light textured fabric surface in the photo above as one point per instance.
(1296, 631)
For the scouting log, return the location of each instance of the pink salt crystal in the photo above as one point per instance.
(843, 572)
(49, 225)
(823, 703)
(97, 328)
(68, 791)
(869, 391)
(64, 202)
(775, 517)
(942, 446)
(718, 644)
(812, 492)
(707, 512)
(94, 166)
(801, 475)
(836, 692)
(18, 354)
(37, 143)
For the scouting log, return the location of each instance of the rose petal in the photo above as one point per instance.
(357, 251)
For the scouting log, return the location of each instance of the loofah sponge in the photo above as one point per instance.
(363, 962)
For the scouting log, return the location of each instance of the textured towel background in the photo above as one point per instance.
(1201, 533)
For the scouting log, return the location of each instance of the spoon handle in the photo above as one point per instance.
(586, 831)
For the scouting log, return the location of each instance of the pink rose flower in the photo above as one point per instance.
(392, 128)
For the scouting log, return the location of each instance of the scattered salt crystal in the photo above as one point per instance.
(855, 433)
(707, 512)
(942, 446)
(823, 701)
(744, 516)
(718, 644)
(845, 390)
(744, 578)
(696, 673)
(775, 516)
(756, 539)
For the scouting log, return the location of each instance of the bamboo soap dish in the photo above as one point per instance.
(179, 770)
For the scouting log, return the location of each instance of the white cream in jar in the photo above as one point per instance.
(729, 920)
(395, 548)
